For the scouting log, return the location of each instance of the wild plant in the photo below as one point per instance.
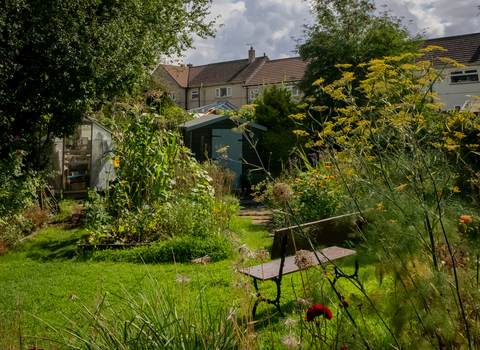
(396, 150)
(398, 160)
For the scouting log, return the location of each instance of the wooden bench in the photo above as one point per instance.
(326, 232)
(275, 270)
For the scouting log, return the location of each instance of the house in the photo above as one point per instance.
(239, 82)
(214, 137)
(458, 83)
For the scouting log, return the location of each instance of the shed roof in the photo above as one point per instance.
(276, 71)
(96, 122)
(214, 118)
(464, 49)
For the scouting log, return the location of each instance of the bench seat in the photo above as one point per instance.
(271, 270)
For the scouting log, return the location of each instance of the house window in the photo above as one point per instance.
(253, 94)
(172, 96)
(292, 89)
(194, 95)
(464, 76)
(223, 92)
(457, 108)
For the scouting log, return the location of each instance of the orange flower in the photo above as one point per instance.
(320, 185)
(332, 177)
(300, 192)
(337, 182)
(312, 185)
(335, 169)
(299, 179)
(314, 170)
(327, 166)
(466, 219)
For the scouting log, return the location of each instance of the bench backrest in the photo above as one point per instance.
(324, 232)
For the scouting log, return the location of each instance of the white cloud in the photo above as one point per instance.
(268, 23)
(272, 23)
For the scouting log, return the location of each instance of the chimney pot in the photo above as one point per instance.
(189, 65)
(251, 55)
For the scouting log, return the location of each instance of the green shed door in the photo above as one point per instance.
(226, 137)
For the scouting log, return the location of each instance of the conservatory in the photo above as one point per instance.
(83, 160)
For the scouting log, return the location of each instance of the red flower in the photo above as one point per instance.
(318, 310)
(343, 348)
(345, 304)
(19, 153)
(16, 138)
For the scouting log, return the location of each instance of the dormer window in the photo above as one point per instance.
(464, 76)
(223, 92)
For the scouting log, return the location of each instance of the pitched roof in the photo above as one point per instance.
(214, 118)
(276, 71)
(225, 72)
(261, 70)
(178, 73)
(461, 48)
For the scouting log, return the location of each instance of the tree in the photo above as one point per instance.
(349, 32)
(273, 110)
(60, 60)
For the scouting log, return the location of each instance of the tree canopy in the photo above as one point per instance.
(61, 59)
(349, 32)
(272, 110)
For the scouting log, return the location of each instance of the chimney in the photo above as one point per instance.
(189, 65)
(251, 55)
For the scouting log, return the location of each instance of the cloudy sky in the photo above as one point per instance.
(271, 24)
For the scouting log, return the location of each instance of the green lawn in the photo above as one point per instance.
(41, 276)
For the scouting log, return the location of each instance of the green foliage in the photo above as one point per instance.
(149, 97)
(18, 191)
(314, 194)
(273, 110)
(349, 32)
(17, 188)
(149, 161)
(398, 159)
(96, 215)
(319, 195)
(184, 248)
(61, 60)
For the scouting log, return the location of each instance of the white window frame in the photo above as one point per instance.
(218, 91)
(253, 94)
(172, 96)
(464, 73)
(196, 92)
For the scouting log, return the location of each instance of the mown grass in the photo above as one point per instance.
(45, 275)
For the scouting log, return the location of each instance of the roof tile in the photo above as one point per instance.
(276, 71)
(464, 49)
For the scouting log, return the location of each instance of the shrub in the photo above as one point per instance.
(185, 249)
(316, 194)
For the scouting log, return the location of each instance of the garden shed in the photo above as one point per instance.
(83, 159)
(212, 132)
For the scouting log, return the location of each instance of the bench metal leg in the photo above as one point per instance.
(260, 298)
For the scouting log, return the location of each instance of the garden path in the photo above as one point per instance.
(260, 214)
